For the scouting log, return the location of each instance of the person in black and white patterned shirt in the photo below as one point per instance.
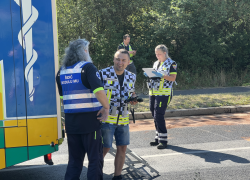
(119, 85)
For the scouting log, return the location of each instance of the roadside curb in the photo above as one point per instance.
(195, 112)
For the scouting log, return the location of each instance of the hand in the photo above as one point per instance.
(133, 102)
(104, 114)
(145, 74)
(158, 74)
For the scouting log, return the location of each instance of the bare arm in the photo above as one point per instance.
(102, 98)
(172, 77)
(132, 52)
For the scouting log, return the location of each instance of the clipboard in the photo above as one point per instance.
(150, 72)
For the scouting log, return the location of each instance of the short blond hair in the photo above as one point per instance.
(163, 48)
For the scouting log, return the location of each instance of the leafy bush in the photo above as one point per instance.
(203, 36)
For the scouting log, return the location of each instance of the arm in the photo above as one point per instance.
(102, 98)
(172, 77)
(101, 94)
(133, 94)
(91, 79)
(133, 51)
(172, 74)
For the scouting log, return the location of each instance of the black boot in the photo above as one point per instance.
(154, 143)
(162, 146)
(117, 177)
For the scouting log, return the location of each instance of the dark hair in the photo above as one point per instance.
(125, 36)
(123, 51)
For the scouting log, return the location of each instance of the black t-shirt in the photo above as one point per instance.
(82, 123)
(120, 78)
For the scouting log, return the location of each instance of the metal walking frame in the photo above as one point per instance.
(133, 159)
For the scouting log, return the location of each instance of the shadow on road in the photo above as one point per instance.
(132, 175)
(57, 172)
(210, 156)
(34, 172)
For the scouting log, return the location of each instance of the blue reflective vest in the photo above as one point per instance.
(76, 97)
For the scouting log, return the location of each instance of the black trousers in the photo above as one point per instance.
(78, 146)
(158, 106)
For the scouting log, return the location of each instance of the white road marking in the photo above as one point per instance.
(197, 152)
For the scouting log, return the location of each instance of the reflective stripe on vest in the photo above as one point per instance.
(82, 105)
(79, 96)
(70, 71)
(113, 119)
(122, 121)
(164, 91)
(161, 90)
(76, 97)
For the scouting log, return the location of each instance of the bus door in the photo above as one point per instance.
(13, 125)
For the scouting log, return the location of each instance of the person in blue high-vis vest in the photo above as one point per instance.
(85, 105)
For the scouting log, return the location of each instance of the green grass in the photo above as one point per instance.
(201, 101)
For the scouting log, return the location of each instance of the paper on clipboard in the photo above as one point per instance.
(150, 72)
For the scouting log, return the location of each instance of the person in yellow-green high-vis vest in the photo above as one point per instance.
(160, 93)
(131, 50)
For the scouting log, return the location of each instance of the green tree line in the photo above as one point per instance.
(209, 39)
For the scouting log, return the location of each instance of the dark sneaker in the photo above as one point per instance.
(154, 143)
(117, 177)
(162, 146)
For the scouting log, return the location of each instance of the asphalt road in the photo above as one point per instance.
(216, 152)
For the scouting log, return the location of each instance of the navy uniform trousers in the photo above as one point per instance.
(78, 146)
(158, 106)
